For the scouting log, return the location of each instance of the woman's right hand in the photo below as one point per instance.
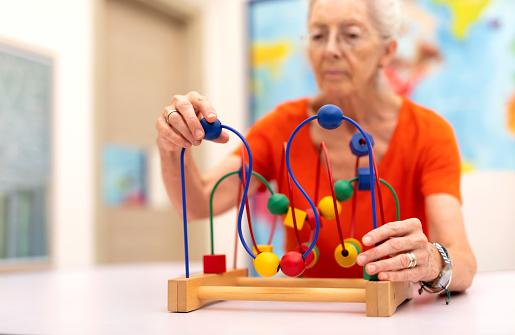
(183, 128)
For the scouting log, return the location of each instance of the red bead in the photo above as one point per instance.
(214, 264)
(310, 258)
(310, 217)
(292, 264)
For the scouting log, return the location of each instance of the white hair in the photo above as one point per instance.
(385, 15)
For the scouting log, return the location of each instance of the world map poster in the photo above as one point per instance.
(454, 57)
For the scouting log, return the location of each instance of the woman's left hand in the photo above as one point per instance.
(394, 241)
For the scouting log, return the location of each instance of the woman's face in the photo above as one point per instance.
(345, 49)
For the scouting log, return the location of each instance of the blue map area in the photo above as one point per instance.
(471, 84)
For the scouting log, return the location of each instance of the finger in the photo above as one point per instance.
(169, 137)
(187, 110)
(398, 262)
(203, 105)
(391, 229)
(413, 275)
(177, 123)
(391, 247)
(223, 138)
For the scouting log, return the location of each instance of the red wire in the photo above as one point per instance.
(279, 181)
(290, 189)
(317, 184)
(247, 209)
(354, 200)
(331, 183)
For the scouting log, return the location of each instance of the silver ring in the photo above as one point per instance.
(168, 115)
(412, 260)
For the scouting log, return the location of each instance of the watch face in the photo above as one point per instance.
(445, 275)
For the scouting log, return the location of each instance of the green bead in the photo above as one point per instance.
(343, 190)
(278, 204)
(366, 276)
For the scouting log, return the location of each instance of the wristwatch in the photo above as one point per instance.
(443, 280)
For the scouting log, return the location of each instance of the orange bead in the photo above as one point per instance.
(292, 264)
(349, 259)
(266, 264)
(326, 208)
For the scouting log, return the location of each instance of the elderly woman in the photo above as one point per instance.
(350, 42)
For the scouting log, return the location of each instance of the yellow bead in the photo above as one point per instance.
(266, 264)
(326, 208)
(300, 217)
(355, 241)
(350, 259)
(263, 248)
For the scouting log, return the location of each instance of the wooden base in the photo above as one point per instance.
(381, 297)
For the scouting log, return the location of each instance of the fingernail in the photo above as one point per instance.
(383, 276)
(367, 239)
(211, 115)
(197, 142)
(199, 133)
(362, 259)
(371, 269)
(187, 144)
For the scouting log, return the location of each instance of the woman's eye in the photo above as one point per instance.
(317, 37)
(352, 36)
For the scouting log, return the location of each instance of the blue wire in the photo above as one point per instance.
(313, 207)
(184, 218)
(371, 167)
(245, 190)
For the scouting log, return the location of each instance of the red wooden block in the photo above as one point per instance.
(214, 264)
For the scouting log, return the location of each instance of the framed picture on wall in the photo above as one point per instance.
(26, 88)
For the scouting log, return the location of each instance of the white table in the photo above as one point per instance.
(132, 299)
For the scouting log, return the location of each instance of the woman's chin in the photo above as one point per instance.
(337, 91)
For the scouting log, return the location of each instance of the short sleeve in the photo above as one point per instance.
(259, 141)
(441, 165)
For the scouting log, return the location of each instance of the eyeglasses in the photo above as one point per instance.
(344, 38)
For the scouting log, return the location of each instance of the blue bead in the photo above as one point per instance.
(212, 130)
(358, 146)
(364, 179)
(330, 117)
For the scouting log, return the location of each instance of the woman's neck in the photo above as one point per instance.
(375, 103)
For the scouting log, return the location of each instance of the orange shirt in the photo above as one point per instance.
(422, 158)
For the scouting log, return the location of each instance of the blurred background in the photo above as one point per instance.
(83, 82)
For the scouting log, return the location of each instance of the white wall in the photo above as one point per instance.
(224, 30)
(64, 28)
(489, 210)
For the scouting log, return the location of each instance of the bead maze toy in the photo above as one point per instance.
(217, 283)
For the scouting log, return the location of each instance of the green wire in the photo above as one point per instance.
(211, 201)
(393, 192)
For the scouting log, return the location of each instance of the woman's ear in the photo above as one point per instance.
(389, 50)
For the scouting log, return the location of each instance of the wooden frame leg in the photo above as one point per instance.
(383, 297)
